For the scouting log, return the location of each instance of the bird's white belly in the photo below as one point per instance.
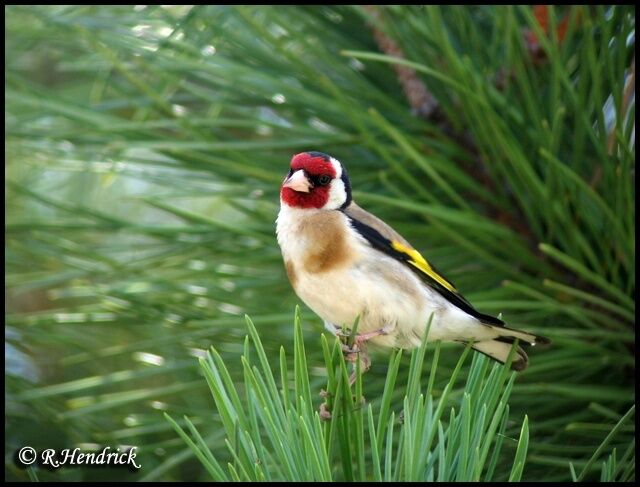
(368, 284)
(378, 300)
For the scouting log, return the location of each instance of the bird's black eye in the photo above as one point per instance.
(324, 180)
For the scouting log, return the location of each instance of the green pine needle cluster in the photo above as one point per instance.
(275, 433)
(144, 150)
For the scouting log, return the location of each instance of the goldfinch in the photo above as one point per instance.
(346, 263)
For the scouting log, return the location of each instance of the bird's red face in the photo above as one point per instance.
(315, 180)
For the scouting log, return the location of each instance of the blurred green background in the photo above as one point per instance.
(144, 150)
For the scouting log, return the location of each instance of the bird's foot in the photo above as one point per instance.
(365, 364)
(360, 340)
(358, 350)
(352, 352)
(324, 413)
(357, 353)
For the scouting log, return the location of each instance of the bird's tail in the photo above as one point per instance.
(499, 348)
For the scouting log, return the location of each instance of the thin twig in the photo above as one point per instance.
(422, 102)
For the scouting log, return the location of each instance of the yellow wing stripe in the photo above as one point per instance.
(418, 261)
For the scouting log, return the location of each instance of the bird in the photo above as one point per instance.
(346, 264)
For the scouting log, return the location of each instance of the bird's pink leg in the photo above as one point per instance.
(358, 351)
(361, 339)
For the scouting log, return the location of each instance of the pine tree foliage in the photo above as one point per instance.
(144, 149)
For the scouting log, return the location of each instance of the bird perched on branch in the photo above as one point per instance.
(346, 263)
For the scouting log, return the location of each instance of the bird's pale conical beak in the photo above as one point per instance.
(298, 182)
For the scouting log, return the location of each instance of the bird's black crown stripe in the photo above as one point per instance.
(319, 154)
(347, 188)
(383, 244)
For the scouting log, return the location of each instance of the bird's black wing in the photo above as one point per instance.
(404, 253)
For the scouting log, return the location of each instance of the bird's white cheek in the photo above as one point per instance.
(337, 195)
(337, 167)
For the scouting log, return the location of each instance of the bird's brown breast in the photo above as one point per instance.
(328, 247)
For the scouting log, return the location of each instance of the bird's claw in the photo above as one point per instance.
(351, 353)
(324, 413)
